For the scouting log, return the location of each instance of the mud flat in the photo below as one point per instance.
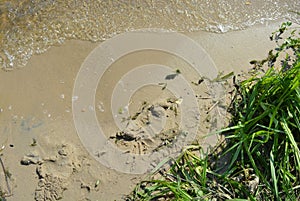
(43, 152)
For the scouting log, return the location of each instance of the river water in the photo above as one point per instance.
(29, 27)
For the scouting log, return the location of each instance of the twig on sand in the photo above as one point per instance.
(212, 107)
(6, 179)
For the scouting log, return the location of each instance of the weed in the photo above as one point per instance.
(260, 159)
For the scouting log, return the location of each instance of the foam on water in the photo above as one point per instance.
(32, 26)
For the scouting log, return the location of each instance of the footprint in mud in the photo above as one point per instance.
(152, 127)
(55, 169)
(50, 188)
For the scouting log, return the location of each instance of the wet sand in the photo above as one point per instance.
(37, 104)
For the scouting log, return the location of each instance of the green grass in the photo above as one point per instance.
(260, 159)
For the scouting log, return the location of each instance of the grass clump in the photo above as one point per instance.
(260, 159)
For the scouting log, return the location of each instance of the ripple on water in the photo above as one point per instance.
(32, 26)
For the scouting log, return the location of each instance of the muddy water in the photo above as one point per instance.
(29, 27)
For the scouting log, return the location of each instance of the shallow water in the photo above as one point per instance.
(32, 26)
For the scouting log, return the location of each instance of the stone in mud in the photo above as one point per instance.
(31, 159)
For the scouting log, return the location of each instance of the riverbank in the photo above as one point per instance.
(37, 121)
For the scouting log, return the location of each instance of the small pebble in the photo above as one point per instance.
(31, 159)
(62, 152)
